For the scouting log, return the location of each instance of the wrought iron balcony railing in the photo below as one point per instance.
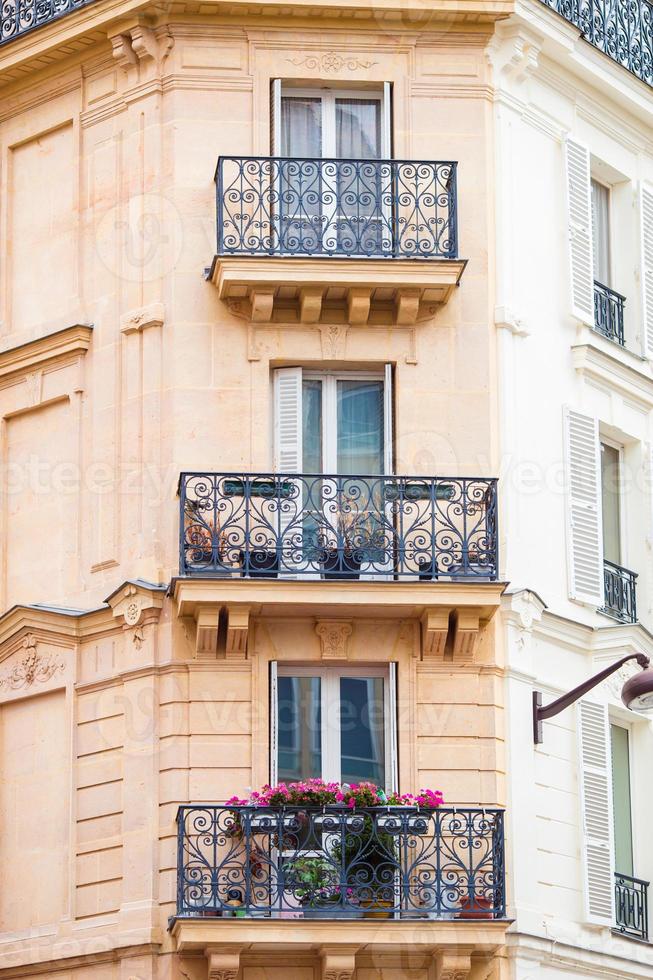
(609, 313)
(631, 906)
(619, 587)
(323, 207)
(332, 862)
(20, 16)
(621, 29)
(270, 525)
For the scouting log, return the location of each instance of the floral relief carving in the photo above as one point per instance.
(330, 62)
(34, 667)
(334, 637)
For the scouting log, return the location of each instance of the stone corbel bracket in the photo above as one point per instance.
(450, 635)
(137, 604)
(208, 618)
(223, 962)
(137, 44)
(452, 966)
(338, 962)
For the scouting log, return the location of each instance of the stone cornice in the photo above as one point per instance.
(101, 18)
(618, 370)
(134, 603)
(71, 341)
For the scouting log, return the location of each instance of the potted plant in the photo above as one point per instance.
(259, 562)
(358, 535)
(313, 881)
(202, 535)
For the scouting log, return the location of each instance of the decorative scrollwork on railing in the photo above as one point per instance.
(338, 863)
(620, 592)
(631, 906)
(338, 527)
(20, 16)
(320, 207)
(609, 313)
(621, 29)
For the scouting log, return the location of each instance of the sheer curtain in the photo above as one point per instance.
(301, 126)
(601, 232)
(358, 129)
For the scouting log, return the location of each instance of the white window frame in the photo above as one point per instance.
(329, 696)
(328, 98)
(623, 536)
(330, 381)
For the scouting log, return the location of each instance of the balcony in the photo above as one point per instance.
(338, 528)
(609, 313)
(353, 241)
(623, 31)
(18, 17)
(620, 593)
(400, 863)
(631, 906)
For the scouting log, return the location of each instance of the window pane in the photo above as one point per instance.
(299, 728)
(610, 492)
(312, 426)
(360, 427)
(623, 826)
(601, 232)
(362, 741)
(358, 129)
(301, 127)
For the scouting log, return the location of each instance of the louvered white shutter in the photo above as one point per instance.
(646, 220)
(584, 519)
(288, 420)
(595, 785)
(579, 212)
(288, 460)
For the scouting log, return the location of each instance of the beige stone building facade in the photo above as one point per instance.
(176, 569)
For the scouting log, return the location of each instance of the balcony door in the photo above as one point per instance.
(338, 424)
(337, 723)
(330, 200)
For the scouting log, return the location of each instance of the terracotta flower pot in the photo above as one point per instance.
(478, 908)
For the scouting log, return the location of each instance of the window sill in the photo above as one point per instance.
(624, 371)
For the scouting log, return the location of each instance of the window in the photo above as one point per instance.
(623, 825)
(336, 206)
(345, 124)
(333, 722)
(333, 422)
(611, 502)
(601, 232)
(343, 424)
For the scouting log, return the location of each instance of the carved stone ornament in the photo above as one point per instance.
(334, 637)
(142, 319)
(33, 668)
(132, 612)
(453, 966)
(330, 62)
(223, 965)
(334, 340)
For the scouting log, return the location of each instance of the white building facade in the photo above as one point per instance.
(574, 317)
